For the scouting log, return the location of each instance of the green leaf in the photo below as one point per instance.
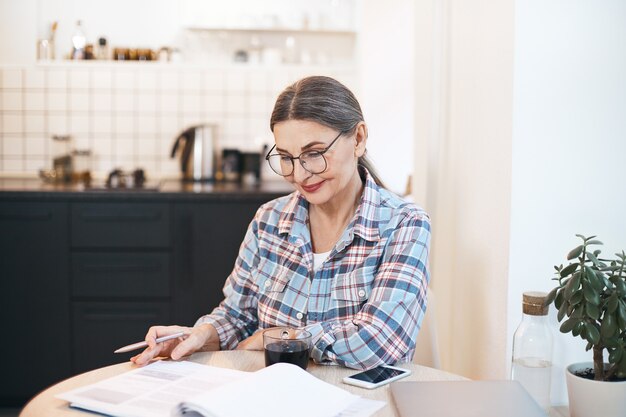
(577, 297)
(593, 334)
(572, 285)
(575, 253)
(568, 270)
(558, 301)
(612, 304)
(592, 258)
(562, 311)
(550, 298)
(593, 311)
(578, 330)
(620, 287)
(570, 309)
(621, 315)
(610, 342)
(608, 326)
(591, 296)
(579, 312)
(593, 279)
(569, 325)
(620, 362)
(594, 242)
(589, 346)
(616, 355)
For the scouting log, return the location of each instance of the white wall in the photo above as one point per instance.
(386, 69)
(569, 146)
(18, 31)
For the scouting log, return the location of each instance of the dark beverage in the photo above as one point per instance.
(289, 351)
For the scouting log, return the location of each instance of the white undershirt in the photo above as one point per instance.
(318, 260)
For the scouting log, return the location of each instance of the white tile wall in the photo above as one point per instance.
(129, 114)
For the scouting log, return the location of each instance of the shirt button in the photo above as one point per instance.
(361, 293)
(267, 283)
(299, 316)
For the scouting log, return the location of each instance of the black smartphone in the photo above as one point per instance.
(376, 377)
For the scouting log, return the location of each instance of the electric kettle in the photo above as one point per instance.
(199, 151)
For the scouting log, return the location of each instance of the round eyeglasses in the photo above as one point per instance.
(312, 161)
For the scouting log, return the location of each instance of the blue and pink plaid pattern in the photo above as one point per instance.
(364, 306)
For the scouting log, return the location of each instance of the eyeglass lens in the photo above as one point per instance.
(314, 162)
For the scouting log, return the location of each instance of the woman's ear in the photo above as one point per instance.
(360, 139)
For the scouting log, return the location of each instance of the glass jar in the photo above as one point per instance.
(532, 349)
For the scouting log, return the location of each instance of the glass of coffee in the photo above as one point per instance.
(284, 344)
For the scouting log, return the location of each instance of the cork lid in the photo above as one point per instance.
(532, 303)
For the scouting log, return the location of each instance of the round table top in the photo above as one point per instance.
(45, 404)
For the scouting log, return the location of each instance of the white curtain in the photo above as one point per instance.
(463, 124)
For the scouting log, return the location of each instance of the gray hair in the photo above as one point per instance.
(326, 101)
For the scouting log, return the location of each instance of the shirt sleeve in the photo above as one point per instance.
(385, 329)
(236, 317)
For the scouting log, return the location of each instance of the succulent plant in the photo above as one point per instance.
(591, 295)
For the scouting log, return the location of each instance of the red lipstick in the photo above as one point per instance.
(313, 187)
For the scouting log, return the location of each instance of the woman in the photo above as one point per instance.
(341, 256)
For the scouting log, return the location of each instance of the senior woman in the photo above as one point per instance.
(341, 257)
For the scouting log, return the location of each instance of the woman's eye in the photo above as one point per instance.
(285, 158)
(312, 155)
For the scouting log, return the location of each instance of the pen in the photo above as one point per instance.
(144, 344)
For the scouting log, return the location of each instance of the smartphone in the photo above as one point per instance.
(376, 377)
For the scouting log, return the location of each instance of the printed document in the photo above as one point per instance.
(168, 388)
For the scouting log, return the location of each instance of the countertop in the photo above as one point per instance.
(32, 188)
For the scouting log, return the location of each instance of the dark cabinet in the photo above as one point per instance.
(120, 224)
(206, 241)
(121, 274)
(84, 274)
(34, 297)
(121, 277)
(101, 327)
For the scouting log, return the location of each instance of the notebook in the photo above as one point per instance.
(463, 399)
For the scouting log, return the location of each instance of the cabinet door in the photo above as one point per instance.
(102, 327)
(120, 225)
(115, 274)
(207, 237)
(34, 298)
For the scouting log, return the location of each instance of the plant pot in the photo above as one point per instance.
(589, 398)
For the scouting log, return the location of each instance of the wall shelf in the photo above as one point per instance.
(273, 31)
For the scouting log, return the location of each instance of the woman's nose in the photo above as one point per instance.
(299, 173)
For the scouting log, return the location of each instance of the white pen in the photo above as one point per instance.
(144, 344)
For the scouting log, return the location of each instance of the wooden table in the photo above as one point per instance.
(45, 404)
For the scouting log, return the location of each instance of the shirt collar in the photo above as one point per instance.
(294, 218)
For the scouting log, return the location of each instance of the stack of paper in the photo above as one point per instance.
(175, 388)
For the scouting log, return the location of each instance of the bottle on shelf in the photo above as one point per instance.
(102, 49)
(79, 41)
(532, 349)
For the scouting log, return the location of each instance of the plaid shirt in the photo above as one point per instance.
(364, 306)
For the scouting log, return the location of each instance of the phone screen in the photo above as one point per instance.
(377, 375)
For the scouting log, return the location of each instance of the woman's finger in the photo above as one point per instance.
(155, 349)
(193, 343)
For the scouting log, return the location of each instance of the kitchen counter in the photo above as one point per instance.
(17, 188)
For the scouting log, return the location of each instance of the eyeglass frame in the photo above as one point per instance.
(293, 164)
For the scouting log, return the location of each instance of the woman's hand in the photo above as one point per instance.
(254, 342)
(201, 338)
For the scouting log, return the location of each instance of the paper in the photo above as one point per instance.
(281, 390)
(172, 388)
(151, 391)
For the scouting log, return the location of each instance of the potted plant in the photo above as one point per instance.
(591, 297)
